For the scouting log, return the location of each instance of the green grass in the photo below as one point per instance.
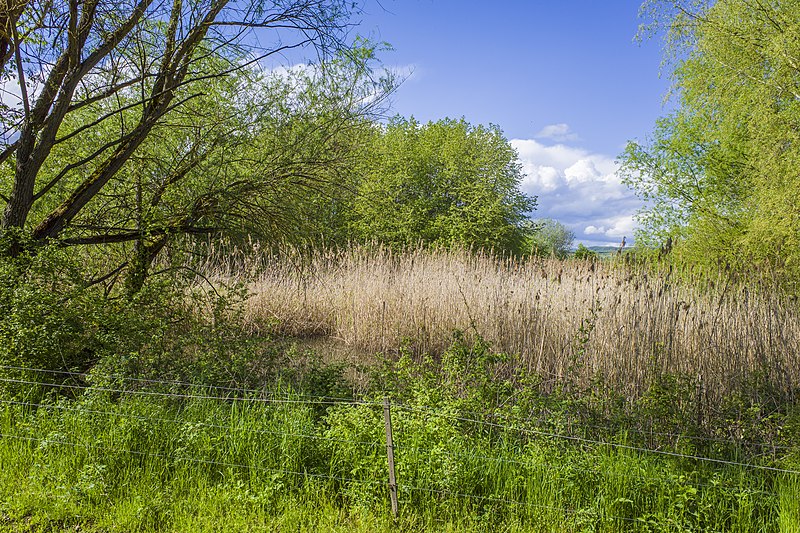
(139, 463)
(480, 446)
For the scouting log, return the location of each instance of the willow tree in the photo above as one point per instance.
(721, 171)
(107, 76)
(143, 123)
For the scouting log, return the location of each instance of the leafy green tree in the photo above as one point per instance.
(443, 183)
(257, 153)
(585, 254)
(720, 172)
(115, 76)
(273, 168)
(552, 238)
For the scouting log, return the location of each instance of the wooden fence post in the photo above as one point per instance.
(387, 417)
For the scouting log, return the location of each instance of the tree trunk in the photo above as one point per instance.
(143, 256)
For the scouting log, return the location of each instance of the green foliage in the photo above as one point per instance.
(720, 171)
(474, 452)
(51, 319)
(551, 239)
(585, 254)
(444, 183)
(262, 154)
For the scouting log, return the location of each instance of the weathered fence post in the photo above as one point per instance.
(387, 417)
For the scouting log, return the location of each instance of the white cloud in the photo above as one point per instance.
(594, 230)
(556, 155)
(613, 227)
(580, 189)
(557, 132)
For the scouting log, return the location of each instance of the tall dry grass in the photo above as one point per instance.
(568, 319)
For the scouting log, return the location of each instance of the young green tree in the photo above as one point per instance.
(445, 183)
(721, 171)
(551, 239)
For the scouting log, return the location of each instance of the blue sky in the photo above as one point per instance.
(564, 79)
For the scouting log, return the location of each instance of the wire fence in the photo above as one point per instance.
(503, 452)
(289, 396)
(455, 454)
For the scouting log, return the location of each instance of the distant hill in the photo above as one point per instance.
(603, 249)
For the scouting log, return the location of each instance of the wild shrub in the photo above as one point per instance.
(57, 325)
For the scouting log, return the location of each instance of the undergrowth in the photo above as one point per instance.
(477, 449)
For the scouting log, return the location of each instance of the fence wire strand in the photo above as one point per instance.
(262, 391)
(598, 442)
(644, 432)
(182, 396)
(552, 468)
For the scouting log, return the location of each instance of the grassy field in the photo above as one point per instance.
(534, 396)
(170, 463)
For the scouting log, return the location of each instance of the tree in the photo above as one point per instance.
(551, 238)
(585, 254)
(161, 129)
(720, 171)
(442, 183)
(110, 74)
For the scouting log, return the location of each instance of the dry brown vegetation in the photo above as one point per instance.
(622, 323)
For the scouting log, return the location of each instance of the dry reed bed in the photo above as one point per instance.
(571, 319)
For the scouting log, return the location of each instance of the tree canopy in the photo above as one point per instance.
(143, 121)
(720, 172)
(442, 183)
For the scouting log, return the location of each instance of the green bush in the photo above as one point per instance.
(53, 321)
(585, 254)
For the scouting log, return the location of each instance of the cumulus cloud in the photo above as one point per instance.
(579, 188)
(613, 227)
(558, 133)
